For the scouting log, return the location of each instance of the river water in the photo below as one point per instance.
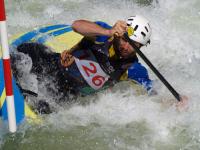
(121, 120)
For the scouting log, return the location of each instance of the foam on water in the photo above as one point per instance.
(121, 120)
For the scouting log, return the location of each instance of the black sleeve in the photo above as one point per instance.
(42, 57)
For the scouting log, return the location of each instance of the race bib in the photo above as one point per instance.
(92, 73)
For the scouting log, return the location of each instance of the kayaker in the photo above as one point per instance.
(107, 55)
(102, 58)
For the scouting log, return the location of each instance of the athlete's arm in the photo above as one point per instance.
(88, 28)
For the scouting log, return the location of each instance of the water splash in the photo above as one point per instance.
(121, 120)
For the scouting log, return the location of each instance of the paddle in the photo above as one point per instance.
(158, 74)
(29, 92)
(25, 91)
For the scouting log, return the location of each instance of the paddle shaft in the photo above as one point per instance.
(158, 74)
(25, 91)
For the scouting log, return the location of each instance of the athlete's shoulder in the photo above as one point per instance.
(139, 73)
(103, 24)
(102, 39)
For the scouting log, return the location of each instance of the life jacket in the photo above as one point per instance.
(96, 66)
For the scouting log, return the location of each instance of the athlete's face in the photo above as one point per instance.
(125, 49)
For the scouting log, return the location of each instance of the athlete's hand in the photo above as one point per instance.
(118, 29)
(66, 59)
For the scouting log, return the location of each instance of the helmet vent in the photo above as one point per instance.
(135, 27)
(130, 19)
(146, 29)
(143, 34)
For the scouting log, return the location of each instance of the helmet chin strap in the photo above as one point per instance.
(116, 46)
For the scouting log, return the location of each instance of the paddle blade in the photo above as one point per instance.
(183, 104)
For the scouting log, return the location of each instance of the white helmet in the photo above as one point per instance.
(139, 29)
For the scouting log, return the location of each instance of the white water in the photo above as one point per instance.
(121, 120)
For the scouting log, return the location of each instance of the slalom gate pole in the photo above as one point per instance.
(7, 70)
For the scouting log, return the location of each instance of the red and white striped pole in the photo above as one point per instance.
(7, 70)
